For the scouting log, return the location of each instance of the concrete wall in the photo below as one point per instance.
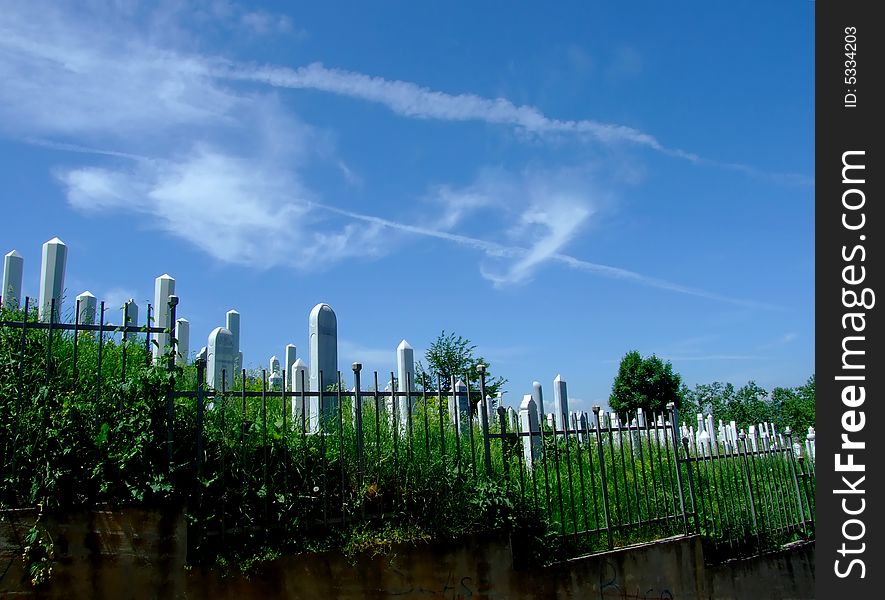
(137, 554)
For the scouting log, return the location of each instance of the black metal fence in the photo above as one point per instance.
(253, 462)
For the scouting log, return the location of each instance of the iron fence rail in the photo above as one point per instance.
(599, 483)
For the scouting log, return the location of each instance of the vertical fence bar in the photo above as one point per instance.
(750, 497)
(321, 428)
(456, 405)
(667, 438)
(358, 425)
(304, 415)
(592, 476)
(542, 422)
(170, 367)
(223, 405)
(442, 434)
(18, 397)
(409, 432)
(201, 371)
(578, 452)
(200, 523)
(470, 425)
(691, 484)
(98, 368)
(789, 434)
(484, 420)
(624, 464)
(377, 426)
(341, 460)
(803, 475)
(76, 338)
(426, 417)
(649, 423)
(602, 475)
(122, 341)
(502, 423)
(571, 487)
(614, 474)
(674, 420)
(264, 442)
(724, 496)
(147, 334)
(784, 472)
(48, 369)
(520, 459)
(395, 421)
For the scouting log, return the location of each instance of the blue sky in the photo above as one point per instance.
(559, 184)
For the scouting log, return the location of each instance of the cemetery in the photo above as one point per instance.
(116, 407)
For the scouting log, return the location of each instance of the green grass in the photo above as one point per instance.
(75, 436)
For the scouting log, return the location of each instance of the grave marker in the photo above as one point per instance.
(13, 268)
(52, 278)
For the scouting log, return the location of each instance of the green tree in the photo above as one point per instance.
(794, 407)
(646, 383)
(452, 356)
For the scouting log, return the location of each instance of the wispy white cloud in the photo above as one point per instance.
(412, 100)
(494, 249)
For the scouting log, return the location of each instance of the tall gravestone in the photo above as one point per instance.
(459, 406)
(87, 304)
(560, 403)
(538, 397)
(303, 413)
(164, 286)
(405, 368)
(232, 324)
(492, 407)
(323, 353)
(276, 379)
(52, 278)
(183, 335)
(13, 268)
(290, 360)
(220, 358)
(130, 317)
(529, 423)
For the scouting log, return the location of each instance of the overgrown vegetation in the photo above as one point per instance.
(86, 421)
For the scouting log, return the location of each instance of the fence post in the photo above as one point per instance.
(201, 377)
(608, 519)
(743, 438)
(170, 367)
(358, 425)
(502, 421)
(789, 433)
(484, 419)
(199, 523)
(674, 423)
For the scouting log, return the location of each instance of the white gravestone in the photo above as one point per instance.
(232, 324)
(528, 423)
(164, 286)
(87, 308)
(13, 268)
(538, 396)
(183, 335)
(307, 410)
(52, 278)
(323, 352)
(290, 360)
(560, 402)
(130, 317)
(275, 381)
(809, 443)
(459, 407)
(405, 369)
(220, 358)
